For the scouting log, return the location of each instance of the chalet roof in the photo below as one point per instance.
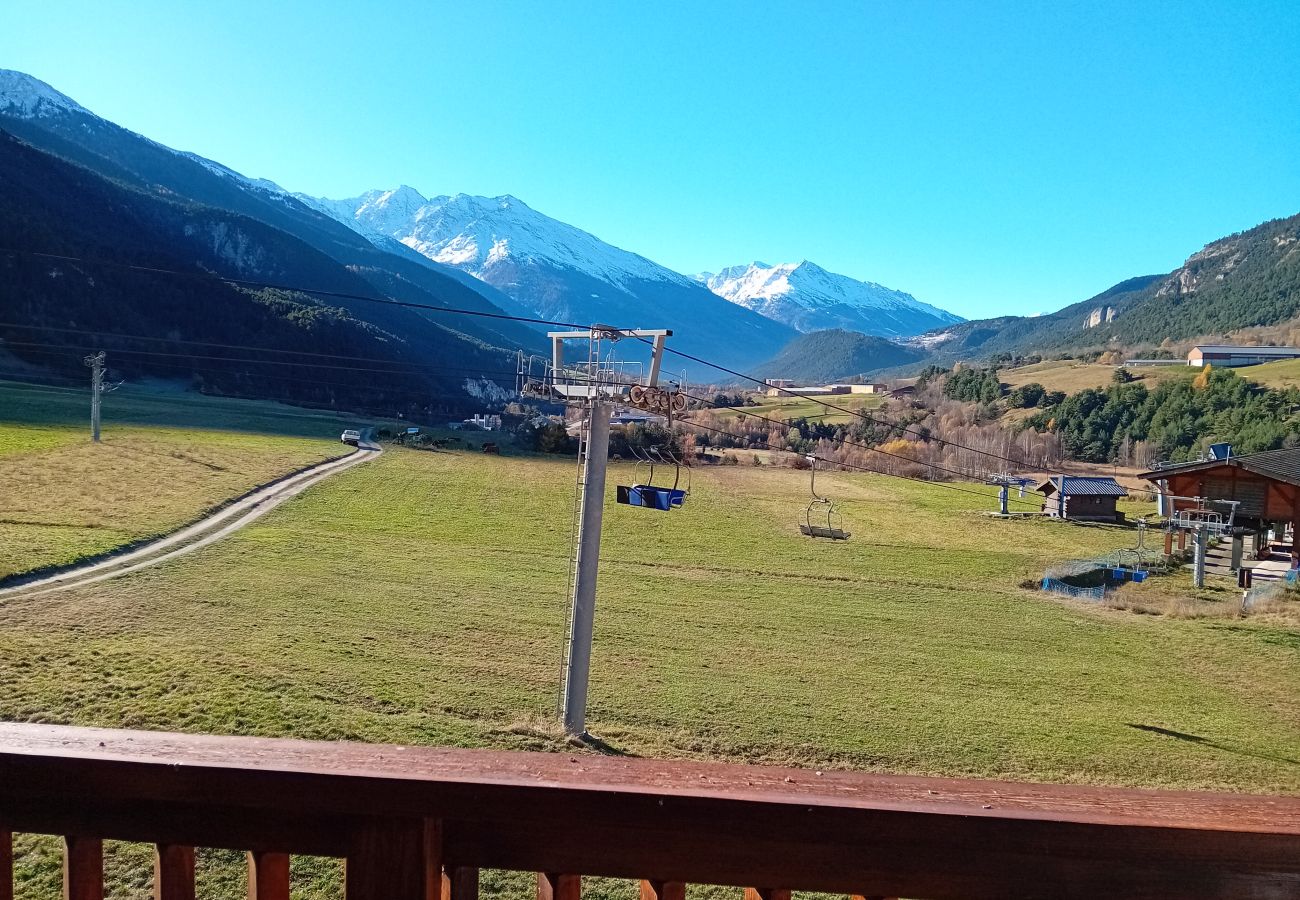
(1081, 485)
(1279, 465)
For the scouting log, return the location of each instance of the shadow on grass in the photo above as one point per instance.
(1206, 742)
(1281, 637)
(591, 742)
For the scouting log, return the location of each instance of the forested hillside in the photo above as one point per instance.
(822, 356)
(1244, 280)
(55, 310)
(1131, 424)
(72, 133)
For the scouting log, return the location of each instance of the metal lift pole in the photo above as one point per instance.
(1198, 563)
(578, 668)
(598, 406)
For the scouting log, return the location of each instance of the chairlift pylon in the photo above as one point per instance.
(834, 527)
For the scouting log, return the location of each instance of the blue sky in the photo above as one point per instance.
(991, 158)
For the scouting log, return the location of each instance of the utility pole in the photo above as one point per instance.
(96, 363)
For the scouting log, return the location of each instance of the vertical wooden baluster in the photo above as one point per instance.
(767, 894)
(83, 868)
(6, 865)
(663, 890)
(173, 872)
(395, 860)
(552, 886)
(460, 883)
(268, 875)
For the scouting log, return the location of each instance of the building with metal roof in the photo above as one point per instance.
(1087, 498)
(1232, 355)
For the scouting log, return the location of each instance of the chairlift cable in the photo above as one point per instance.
(856, 413)
(536, 321)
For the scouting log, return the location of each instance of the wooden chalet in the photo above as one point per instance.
(1085, 498)
(1265, 485)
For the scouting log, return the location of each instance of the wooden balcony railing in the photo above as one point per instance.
(419, 824)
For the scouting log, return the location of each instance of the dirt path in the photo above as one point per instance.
(195, 536)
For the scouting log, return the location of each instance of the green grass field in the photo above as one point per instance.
(808, 408)
(1072, 376)
(419, 599)
(1285, 373)
(161, 405)
(67, 499)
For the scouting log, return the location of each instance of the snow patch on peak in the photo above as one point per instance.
(30, 98)
(808, 297)
(478, 234)
(217, 168)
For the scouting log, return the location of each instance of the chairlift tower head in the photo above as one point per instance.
(588, 382)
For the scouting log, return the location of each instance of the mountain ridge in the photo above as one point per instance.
(809, 298)
(79, 136)
(553, 270)
(1243, 280)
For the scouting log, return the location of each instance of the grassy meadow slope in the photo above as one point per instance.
(785, 408)
(420, 599)
(1073, 376)
(1285, 373)
(66, 499)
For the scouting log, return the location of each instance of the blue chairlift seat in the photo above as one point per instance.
(651, 497)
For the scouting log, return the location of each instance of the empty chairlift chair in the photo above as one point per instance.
(649, 495)
(820, 518)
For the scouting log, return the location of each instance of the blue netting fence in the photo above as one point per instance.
(1056, 586)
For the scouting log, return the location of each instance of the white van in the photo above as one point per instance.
(351, 436)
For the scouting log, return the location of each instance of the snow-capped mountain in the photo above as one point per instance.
(28, 97)
(478, 234)
(556, 271)
(808, 298)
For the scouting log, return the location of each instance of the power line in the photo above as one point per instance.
(275, 376)
(538, 321)
(340, 295)
(232, 372)
(846, 443)
(265, 362)
(250, 347)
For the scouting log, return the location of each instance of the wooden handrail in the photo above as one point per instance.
(413, 823)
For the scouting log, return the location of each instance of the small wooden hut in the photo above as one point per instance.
(1085, 498)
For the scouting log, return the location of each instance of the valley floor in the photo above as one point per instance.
(420, 599)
